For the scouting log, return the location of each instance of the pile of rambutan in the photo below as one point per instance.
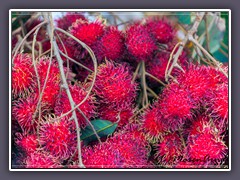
(150, 121)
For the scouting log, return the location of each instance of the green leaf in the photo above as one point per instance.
(184, 17)
(102, 127)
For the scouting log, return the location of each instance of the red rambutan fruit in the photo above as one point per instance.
(114, 85)
(176, 106)
(78, 94)
(57, 138)
(41, 160)
(160, 29)
(52, 87)
(119, 151)
(23, 75)
(204, 142)
(23, 111)
(170, 149)
(28, 143)
(140, 44)
(87, 32)
(110, 45)
(66, 21)
(153, 124)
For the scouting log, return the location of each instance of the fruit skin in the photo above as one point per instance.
(140, 44)
(176, 106)
(66, 21)
(123, 150)
(153, 124)
(52, 87)
(23, 110)
(23, 75)
(58, 138)
(28, 142)
(160, 29)
(217, 106)
(113, 85)
(41, 160)
(170, 149)
(78, 93)
(204, 142)
(110, 45)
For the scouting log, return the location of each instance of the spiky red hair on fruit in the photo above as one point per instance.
(78, 93)
(140, 44)
(23, 75)
(110, 45)
(161, 29)
(170, 149)
(204, 142)
(114, 84)
(41, 160)
(27, 142)
(58, 138)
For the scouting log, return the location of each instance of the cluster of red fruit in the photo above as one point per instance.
(185, 127)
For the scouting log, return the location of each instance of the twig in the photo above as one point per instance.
(212, 58)
(207, 33)
(155, 78)
(193, 30)
(144, 85)
(65, 85)
(136, 72)
(152, 92)
(25, 37)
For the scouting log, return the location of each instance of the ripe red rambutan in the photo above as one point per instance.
(87, 32)
(120, 151)
(204, 142)
(110, 45)
(160, 29)
(113, 114)
(57, 138)
(23, 111)
(153, 124)
(41, 160)
(78, 94)
(176, 106)
(66, 21)
(23, 75)
(170, 149)
(140, 44)
(114, 84)
(52, 87)
(28, 143)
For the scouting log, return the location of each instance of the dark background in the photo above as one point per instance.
(5, 5)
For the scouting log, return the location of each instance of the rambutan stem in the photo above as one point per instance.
(155, 78)
(136, 72)
(50, 29)
(144, 84)
(207, 53)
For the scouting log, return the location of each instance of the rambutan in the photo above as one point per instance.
(23, 75)
(57, 138)
(188, 164)
(110, 45)
(27, 143)
(176, 106)
(66, 21)
(170, 149)
(113, 85)
(87, 32)
(140, 44)
(217, 105)
(160, 29)
(23, 111)
(119, 151)
(41, 160)
(153, 124)
(52, 87)
(204, 142)
(78, 94)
